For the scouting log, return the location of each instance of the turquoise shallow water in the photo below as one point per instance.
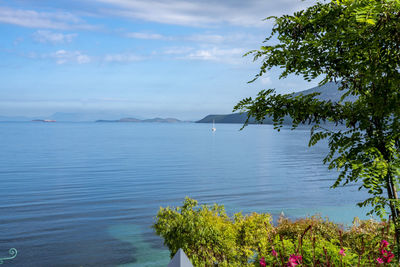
(86, 194)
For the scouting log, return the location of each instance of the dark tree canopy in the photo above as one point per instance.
(356, 43)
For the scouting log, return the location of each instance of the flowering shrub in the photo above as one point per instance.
(211, 238)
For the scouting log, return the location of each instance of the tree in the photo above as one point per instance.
(357, 44)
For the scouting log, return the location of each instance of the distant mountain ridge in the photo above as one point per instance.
(89, 116)
(328, 91)
(233, 118)
(166, 120)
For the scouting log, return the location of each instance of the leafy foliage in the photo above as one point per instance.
(208, 235)
(211, 238)
(355, 43)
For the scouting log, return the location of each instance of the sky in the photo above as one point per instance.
(142, 58)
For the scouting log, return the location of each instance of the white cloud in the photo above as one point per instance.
(44, 20)
(43, 36)
(202, 13)
(146, 36)
(63, 56)
(201, 38)
(218, 54)
(225, 38)
(206, 38)
(177, 50)
(230, 55)
(265, 79)
(122, 58)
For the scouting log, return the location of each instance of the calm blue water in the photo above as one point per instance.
(86, 194)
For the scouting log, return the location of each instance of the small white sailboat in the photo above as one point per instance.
(213, 128)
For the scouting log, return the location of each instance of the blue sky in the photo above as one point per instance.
(143, 58)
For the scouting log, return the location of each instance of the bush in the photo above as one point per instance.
(211, 238)
(206, 234)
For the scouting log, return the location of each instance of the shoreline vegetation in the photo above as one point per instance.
(210, 237)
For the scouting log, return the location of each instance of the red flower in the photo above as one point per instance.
(262, 262)
(294, 260)
(274, 253)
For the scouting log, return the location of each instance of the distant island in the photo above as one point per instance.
(87, 116)
(44, 120)
(328, 91)
(166, 120)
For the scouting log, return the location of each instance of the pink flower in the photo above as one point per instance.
(341, 252)
(262, 262)
(294, 260)
(274, 253)
(384, 243)
(379, 260)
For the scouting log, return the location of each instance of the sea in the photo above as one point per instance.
(86, 194)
